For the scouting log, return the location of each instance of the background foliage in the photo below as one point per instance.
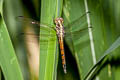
(92, 54)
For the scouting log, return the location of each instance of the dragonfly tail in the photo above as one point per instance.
(63, 61)
(63, 57)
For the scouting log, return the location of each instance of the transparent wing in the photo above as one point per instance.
(27, 20)
(76, 29)
(77, 24)
(44, 28)
(44, 37)
(77, 34)
(34, 22)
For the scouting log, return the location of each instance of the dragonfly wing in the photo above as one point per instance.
(44, 37)
(34, 22)
(78, 23)
(77, 35)
(43, 28)
(27, 20)
(77, 29)
(77, 38)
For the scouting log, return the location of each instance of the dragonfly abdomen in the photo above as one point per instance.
(63, 55)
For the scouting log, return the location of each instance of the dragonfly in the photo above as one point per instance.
(61, 32)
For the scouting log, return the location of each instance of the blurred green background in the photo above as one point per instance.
(23, 51)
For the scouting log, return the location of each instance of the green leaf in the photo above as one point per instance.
(50, 9)
(108, 53)
(8, 59)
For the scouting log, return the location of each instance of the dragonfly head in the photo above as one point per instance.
(59, 21)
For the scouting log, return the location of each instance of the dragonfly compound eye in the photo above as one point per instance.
(58, 19)
(61, 19)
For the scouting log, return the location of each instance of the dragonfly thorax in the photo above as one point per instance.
(59, 27)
